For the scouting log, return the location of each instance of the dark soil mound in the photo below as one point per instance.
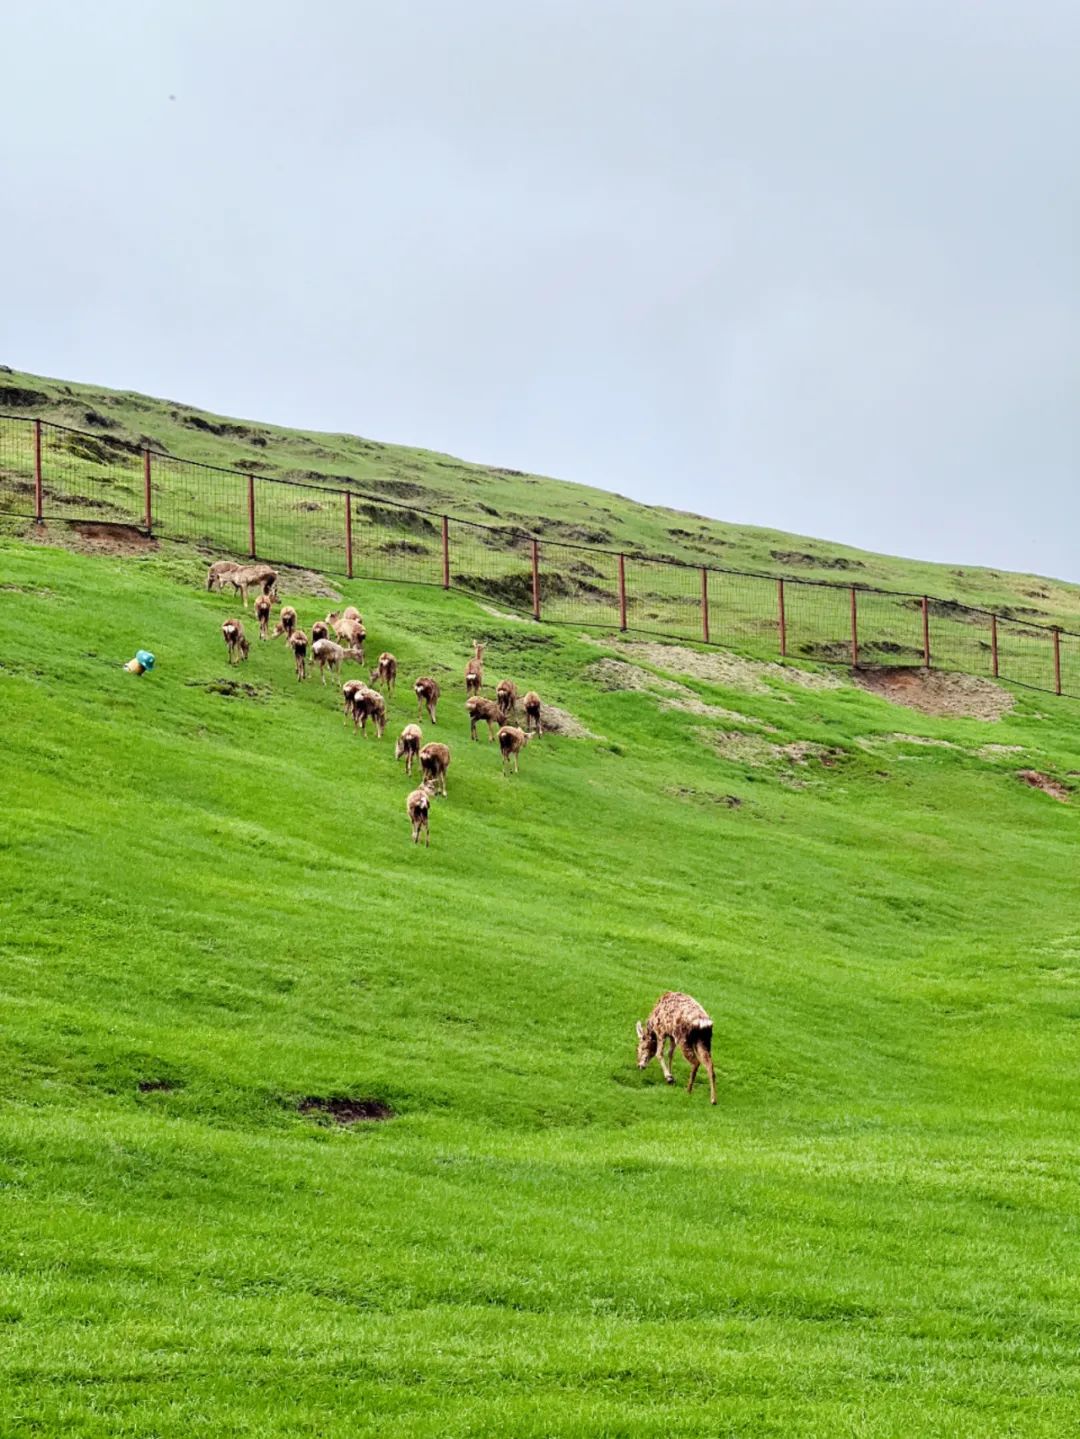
(346, 1111)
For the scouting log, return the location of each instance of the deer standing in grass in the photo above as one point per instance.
(418, 808)
(474, 670)
(286, 623)
(481, 709)
(434, 762)
(319, 631)
(506, 697)
(385, 672)
(427, 693)
(678, 1019)
(219, 572)
(511, 742)
(246, 577)
(531, 706)
(263, 605)
(368, 705)
(408, 745)
(235, 641)
(329, 656)
(298, 644)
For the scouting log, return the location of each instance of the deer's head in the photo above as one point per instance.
(646, 1048)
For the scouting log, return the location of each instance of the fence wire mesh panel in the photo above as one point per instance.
(889, 628)
(818, 622)
(664, 598)
(191, 501)
(90, 477)
(578, 586)
(744, 612)
(17, 467)
(1070, 664)
(392, 542)
(493, 563)
(103, 478)
(1026, 655)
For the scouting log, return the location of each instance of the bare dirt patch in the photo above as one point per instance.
(346, 1111)
(157, 1086)
(721, 668)
(754, 750)
(505, 615)
(1046, 782)
(938, 692)
(704, 796)
(562, 722)
(231, 689)
(997, 751)
(91, 538)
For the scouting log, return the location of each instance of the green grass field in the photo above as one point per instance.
(212, 911)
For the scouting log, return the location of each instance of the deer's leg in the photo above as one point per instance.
(693, 1075)
(706, 1059)
(665, 1066)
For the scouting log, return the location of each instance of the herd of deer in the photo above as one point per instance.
(365, 702)
(677, 1019)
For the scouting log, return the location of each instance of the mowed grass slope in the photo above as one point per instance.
(875, 1230)
(558, 510)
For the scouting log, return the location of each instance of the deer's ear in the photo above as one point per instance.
(640, 1030)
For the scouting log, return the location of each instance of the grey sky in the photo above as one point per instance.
(809, 265)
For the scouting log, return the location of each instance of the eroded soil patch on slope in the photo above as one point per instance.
(938, 692)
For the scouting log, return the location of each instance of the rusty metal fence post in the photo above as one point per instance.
(993, 646)
(705, 604)
(536, 578)
(926, 632)
(147, 501)
(39, 492)
(1057, 660)
(348, 534)
(782, 617)
(445, 552)
(251, 514)
(854, 630)
(622, 592)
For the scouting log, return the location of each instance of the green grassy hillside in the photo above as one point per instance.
(558, 511)
(212, 912)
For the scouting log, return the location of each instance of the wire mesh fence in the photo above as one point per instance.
(52, 472)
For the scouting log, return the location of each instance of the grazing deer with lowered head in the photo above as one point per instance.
(427, 693)
(328, 656)
(418, 808)
(678, 1019)
(368, 705)
(511, 742)
(481, 709)
(219, 572)
(474, 670)
(434, 762)
(246, 577)
(385, 672)
(408, 745)
(235, 641)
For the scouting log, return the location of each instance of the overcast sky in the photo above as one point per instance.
(811, 265)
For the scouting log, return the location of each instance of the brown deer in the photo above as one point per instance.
(474, 670)
(328, 656)
(235, 641)
(418, 808)
(369, 705)
(319, 631)
(434, 762)
(246, 577)
(286, 623)
(263, 605)
(348, 628)
(427, 693)
(350, 691)
(531, 706)
(408, 745)
(385, 672)
(480, 709)
(297, 642)
(506, 697)
(511, 742)
(219, 572)
(678, 1019)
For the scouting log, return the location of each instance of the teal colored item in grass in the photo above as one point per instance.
(142, 662)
